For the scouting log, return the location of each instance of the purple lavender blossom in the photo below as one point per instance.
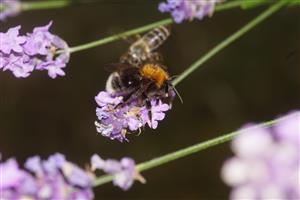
(188, 9)
(36, 51)
(54, 178)
(9, 8)
(124, 171)
(116, 118)
(267, 162)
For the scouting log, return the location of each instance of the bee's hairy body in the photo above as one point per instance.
(148, 80)
(140, 74)
(155, 73)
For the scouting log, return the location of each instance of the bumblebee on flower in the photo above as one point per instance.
(139, 92)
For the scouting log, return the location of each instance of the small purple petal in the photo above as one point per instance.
(11, 41)
(11, 175)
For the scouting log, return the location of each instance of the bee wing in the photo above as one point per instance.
(111, 67)
(156, 57)
(132, 39)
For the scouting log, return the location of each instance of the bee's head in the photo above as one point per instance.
(130, 77)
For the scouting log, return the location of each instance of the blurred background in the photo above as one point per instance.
(255, 79)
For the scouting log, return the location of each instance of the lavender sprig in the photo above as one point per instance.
(54, 178)
(266, 163)
(189, 9)
(22, 54)
(57, 178)
(117, 118)
(123, 171)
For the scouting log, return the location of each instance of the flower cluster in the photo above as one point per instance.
(124, 171)
(9, 8)
(54, 178)
(117, 118)
(57, 178)
(188, 9)
(267, 162)
(35, 51)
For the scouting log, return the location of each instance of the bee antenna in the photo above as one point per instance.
(177, 93)
(173, 86)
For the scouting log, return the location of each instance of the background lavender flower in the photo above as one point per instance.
(266, 165)
(116, 118)
(9, 8)
(54, 178)
(36, 51)
(124, 171)
(188, 9)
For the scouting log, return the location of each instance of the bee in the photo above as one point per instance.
(143, 49)
(140, 73)
(141, 83)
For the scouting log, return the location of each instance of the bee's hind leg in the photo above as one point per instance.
(148, 106)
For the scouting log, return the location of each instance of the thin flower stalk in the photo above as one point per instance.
(189, 150)
(260, 18)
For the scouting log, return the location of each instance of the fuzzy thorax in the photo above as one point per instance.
(155, 73)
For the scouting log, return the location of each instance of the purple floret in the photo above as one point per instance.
(266, 165)
(188, 9)
(124, 171)
(36, 51)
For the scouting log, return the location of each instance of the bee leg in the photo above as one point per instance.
(148, 106)
(167, 90)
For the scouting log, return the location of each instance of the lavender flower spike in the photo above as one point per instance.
(117, 118)
(188, 9)
(9, 8)
(54, 178)
(35, 51)
(267, 162)
(124, 171)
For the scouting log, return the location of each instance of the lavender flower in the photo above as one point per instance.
(124, 172)
(188, 9)
(9, 8)
(118, 118)
(266, 165)
(35, 51)
(54, 178)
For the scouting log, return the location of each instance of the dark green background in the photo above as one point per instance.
(257, 78)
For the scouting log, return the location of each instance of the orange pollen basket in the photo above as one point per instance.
(155, 73)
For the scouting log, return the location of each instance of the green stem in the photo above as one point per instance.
(39, 5)
(230, 39)
(187, 151)
(120, 36)
(50, 4)
(220, 7)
